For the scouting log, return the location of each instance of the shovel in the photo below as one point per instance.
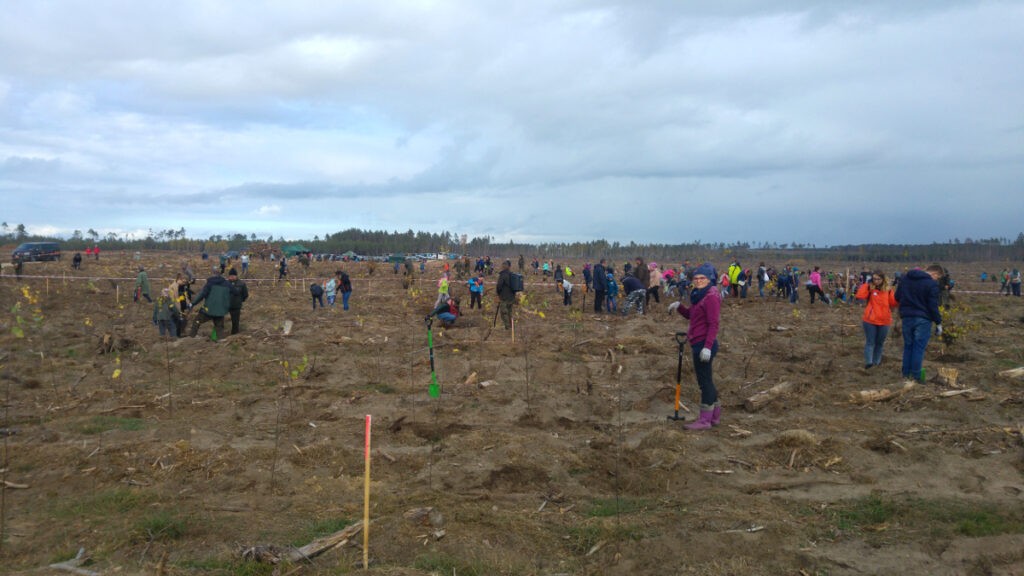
(681, 340)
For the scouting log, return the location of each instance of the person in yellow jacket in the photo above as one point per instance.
(442, 290)
(877, 316)
(734, 278)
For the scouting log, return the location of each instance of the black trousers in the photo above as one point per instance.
(474, 298)
(236, 314)
(599, 298)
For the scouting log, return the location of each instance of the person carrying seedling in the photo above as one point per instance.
(216, 297)
(447, 312)
(703, 313)
(165, 313)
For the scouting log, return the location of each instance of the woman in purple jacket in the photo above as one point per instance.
(703, 313)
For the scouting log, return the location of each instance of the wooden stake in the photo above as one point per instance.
(366, 501)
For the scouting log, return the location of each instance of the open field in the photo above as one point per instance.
(564, 463)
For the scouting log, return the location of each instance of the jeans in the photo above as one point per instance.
(344, 299)
(760, 288)
(245, 267)
(320, 298)
(330, 299)
(610, 303)
(708, 393)
(874, 338)
(1016, 288)
(916, 333)
(447, 317)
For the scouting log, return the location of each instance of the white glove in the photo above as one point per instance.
(673, 306)
(705, 355)
(938, 329)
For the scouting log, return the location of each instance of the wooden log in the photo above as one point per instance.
(763, 398)
(951, 393)
(879, 395)
(325, 543)
(1013, 373)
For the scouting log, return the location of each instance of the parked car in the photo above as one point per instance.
(37, 251)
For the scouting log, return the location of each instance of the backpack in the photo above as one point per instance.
(516, 282)
(316, 290)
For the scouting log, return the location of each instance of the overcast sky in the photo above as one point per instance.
(841, 122)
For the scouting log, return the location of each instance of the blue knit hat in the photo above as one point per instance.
(706, 269)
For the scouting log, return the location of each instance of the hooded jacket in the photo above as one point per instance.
(918, 296)
(217, 293)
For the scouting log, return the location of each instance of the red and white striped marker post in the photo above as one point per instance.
(366, 501)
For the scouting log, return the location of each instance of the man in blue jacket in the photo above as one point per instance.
(918, 297)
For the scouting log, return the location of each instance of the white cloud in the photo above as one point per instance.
(267, 210)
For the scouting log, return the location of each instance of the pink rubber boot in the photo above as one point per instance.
(716, 413)
(703, 422)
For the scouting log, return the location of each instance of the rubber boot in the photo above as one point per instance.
(716, 413)
(703, 422)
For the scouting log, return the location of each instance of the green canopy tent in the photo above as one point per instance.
(294, 249)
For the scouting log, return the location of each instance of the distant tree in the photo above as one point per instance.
(19, 232)
(93, 234)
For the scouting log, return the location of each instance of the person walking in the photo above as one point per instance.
(877, 316)
(235, 308)
(600, 283)
(216, 296)
(703, 313)
(918, 298)
(142, 285)
(506, 296)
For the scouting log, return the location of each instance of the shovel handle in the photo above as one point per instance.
(680, 337)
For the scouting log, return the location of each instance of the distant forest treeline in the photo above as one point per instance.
(381, 242)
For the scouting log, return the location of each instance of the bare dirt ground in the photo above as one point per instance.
(563, 463)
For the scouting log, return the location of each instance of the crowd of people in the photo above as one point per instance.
(696, 293)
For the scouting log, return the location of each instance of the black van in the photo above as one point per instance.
(37, 251)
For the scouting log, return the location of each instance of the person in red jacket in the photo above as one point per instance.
(703, 313)
(877, 316)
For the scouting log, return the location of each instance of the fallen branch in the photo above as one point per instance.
(273, 554)
(74, 564)
(1013, 373)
